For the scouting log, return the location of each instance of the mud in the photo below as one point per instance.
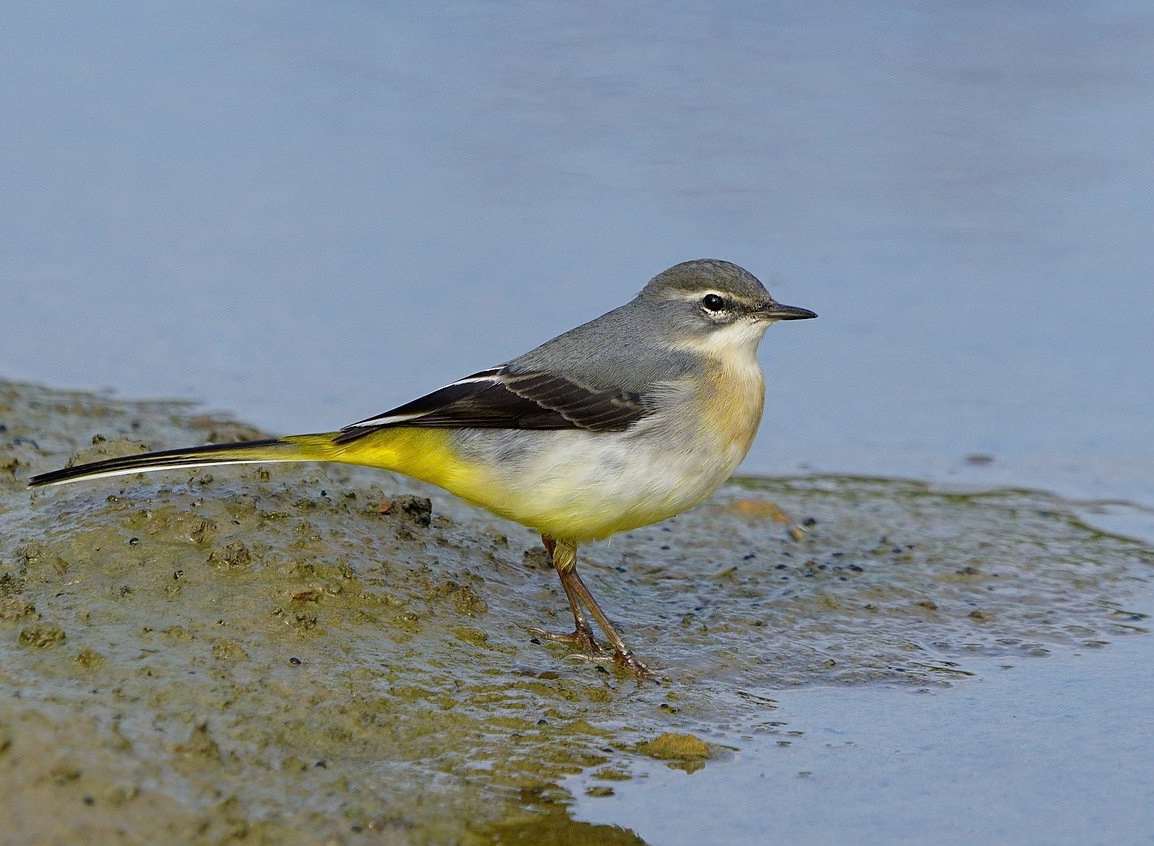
(306, 654)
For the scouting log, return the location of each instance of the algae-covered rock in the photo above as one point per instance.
(303, 654)
(676, 747)
(42, 636)
(682, 751)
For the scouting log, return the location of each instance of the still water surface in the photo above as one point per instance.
(1011, 757)
(307, 214)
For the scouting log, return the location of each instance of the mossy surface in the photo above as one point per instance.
(307, 654)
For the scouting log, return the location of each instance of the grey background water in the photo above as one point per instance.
(1011, 757)
(306, 213)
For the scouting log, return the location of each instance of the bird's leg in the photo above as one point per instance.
(622, 654)
(564, 556)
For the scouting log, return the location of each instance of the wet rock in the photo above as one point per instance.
(89, 659)
(102, 449)
(465, 600)
(676, 747)
(228, 650)
(14, 608)
(553, 827)
(42, 636)
(417, 510)
(38, 562)
(234, 556)
(535, 557)
(200, 745)
(204, 531)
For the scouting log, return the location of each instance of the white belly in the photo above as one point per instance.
(584, 486)
(590, 486)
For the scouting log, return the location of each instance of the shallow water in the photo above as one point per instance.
(306, 215)
(1053, 752)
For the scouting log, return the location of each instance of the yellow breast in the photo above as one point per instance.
(732, 392)
(733, 398)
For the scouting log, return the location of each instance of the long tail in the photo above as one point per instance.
(292, 448)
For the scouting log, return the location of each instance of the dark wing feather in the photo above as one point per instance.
(502, 399)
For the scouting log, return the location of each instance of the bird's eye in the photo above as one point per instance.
(712, 302)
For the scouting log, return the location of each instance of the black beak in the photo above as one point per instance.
(777, 311)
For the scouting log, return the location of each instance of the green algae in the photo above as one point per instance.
(672, 746)
(319, 654)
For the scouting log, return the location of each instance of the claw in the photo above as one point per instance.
(579, 639)
(627, 661)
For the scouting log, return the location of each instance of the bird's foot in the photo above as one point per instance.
(626, 660)
(580, 639)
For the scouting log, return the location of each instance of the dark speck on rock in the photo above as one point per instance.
(296, 662)
(417, 509)
(809, 522)
(234, 556)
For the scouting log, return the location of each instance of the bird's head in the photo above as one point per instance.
(709, 304)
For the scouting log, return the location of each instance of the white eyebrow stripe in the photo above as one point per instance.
(705, 292)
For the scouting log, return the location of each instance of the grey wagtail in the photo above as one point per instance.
(622, 422)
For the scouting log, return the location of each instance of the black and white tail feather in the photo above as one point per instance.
(249, 452)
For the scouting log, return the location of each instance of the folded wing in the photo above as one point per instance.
(503, 399)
